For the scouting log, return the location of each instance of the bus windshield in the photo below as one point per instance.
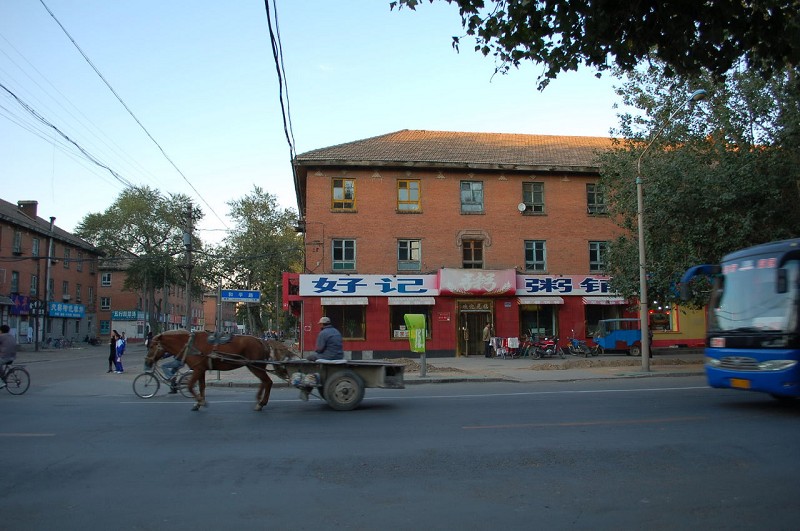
(746, 298)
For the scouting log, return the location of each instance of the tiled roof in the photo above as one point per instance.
(444, 148)
(11, 214)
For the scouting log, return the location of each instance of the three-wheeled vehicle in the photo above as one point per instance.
(620, 334)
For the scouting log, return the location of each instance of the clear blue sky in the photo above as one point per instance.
(200, 76)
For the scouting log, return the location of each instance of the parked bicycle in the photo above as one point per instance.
(16, 378)
(147, 384)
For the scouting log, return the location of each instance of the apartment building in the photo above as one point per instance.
(48, 277)
(463, 228)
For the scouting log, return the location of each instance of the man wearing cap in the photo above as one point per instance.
(329, 342)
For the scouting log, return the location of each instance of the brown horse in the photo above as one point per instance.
(201, 355)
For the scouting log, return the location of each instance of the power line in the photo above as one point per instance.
(86, 154)
(131, 112)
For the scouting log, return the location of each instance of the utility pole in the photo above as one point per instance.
(47, 294)
(187, 244)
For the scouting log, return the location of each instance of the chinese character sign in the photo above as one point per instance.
(367, 285)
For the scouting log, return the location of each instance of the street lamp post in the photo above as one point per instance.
(644, 319)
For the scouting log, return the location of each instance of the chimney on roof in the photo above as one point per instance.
(28, 208)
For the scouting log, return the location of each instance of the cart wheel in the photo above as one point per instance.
(635, 350)
(344, 390)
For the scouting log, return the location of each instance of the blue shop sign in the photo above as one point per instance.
(69, 311)
(125, 315)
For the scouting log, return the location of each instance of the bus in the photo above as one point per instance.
(753, 334)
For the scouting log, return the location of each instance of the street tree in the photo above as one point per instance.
(561, 35)
(142, 234)
(722, 175)
(262, 245)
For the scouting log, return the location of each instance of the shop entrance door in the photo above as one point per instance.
(472, 317)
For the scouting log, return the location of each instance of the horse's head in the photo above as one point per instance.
(155, 351)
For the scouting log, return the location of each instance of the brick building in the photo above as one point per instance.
(62, 291)
(464, 228)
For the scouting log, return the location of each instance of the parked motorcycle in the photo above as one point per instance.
(578, 347)
(546, 348)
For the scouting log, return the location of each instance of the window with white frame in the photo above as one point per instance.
(597, 256)
(344, 255)
(79, 265)
(535, 255)
(105, 279)
(105, 303)
(66, 257)
(533, 197)
(408, 255)
(471, 197)
(35, 247)
(15, 282)
(595, 200)
(17, 244)
(34, 285)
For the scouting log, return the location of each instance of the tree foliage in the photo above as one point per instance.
(263, 244)
(722, 175)
(563, 34)
(142, 232)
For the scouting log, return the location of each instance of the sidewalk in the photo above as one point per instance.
(665, 362)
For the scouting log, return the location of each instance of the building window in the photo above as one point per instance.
(91, 295)
(105, 328)
(79, 265)
(398, 322)
(35, 247)
(595, 200)
(408, 255)
(66, 258)
(344, 194)
(105, 279)
(349, 320)
(34, 285)
(535, 255)
(344, 254)
(472, 254)
(533, 197)
(597, 256)
(105, 303)
(471, 197)
(408, 195)
(17, 245)
(78, 292)
(51, 288)
(65, 289)
(15, 282)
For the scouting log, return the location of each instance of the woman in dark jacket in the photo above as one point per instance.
(112, 350)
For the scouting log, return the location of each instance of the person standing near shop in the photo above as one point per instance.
(120, 350)
(487, 340)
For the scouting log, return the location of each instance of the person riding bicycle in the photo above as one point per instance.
(170, 368)
(8, 351)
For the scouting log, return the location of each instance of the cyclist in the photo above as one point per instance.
(170, 368)
(8, 352)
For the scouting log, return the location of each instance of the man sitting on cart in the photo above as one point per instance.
(329, 342)
(328, 347)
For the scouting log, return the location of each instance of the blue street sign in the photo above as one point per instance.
(240, 295)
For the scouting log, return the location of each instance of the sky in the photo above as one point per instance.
(200, 78)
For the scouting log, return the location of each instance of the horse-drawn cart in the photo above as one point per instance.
(341, 383)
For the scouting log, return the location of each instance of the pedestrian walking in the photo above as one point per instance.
(120, 350)
(112, 350)
(487, 340)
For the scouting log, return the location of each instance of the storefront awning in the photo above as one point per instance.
(411, 301)
(6, 301)
(607, 301)
(344, 301)
(540, 300)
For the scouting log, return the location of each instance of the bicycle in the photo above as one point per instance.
(147, 384)
(16, 378)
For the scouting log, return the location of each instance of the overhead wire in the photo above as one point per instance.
(283, 86)
(131, 113)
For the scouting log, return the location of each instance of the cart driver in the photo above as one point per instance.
(329, 342)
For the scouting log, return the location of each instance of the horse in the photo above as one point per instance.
(201, 352)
